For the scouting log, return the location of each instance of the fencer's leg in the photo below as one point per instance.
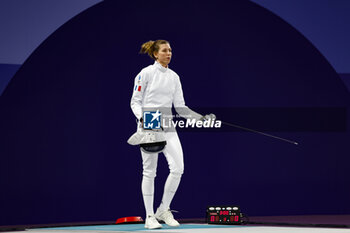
(174, 155)
(149, 173)
(149, 162)
(171, 185)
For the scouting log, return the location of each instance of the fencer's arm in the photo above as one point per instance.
(140, 84)
(180, 106)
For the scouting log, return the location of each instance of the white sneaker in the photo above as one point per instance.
(152, 223)
(167, 217)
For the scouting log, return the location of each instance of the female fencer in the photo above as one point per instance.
(159, 87)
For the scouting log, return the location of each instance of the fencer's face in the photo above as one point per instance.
(164, 54)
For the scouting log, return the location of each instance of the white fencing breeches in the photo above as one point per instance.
(174, 156)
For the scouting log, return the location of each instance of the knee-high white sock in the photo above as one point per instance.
(147, 187)
(171, 185)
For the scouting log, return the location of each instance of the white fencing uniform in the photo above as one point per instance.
(160, 87)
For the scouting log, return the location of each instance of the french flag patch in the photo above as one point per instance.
(138, 88)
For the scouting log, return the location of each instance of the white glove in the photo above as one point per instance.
(208, 117)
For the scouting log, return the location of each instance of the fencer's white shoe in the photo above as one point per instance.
(167, 217)
(152, 223)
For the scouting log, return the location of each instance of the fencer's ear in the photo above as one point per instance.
(155, 54)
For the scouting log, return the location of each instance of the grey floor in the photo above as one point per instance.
(269, 224)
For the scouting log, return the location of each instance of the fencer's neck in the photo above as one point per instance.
(160, 66)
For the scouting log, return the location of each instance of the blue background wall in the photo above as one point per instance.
(25, 25)
(65, 117)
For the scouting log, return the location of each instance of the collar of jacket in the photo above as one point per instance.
(160, 67)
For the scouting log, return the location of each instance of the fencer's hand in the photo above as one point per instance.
(139, 124)
(208, 117)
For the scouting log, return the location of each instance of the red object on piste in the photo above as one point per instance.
(134, 219)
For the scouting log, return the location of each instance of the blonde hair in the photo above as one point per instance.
(151, 46)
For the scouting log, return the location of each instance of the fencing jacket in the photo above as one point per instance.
(157, 87)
